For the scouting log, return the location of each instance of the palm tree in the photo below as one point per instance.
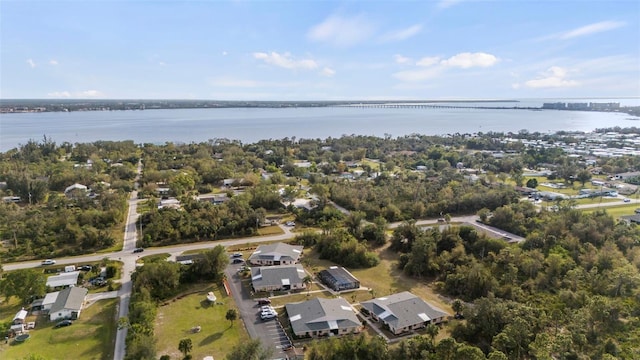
(185, 346)
(432, 332)
(457, 306)
(307, 280)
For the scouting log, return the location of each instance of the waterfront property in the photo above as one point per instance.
(338, 279)
(276, 254)
(403, 312)
(322, 317)
(278, 278)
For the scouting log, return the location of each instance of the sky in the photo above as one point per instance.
(319, 50)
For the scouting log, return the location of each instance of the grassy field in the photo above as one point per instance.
(217, 336)
(270, 230)
(90, 337)
(616, 211)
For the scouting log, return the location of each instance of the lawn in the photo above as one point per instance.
(270, 230)
(216, 338)
(383, 279)
(616, 211)
(90, 337)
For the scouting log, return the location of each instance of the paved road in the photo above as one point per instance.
(270, 332)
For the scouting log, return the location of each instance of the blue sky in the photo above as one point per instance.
(319, 50)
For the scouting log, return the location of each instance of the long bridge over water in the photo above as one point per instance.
(434, 106)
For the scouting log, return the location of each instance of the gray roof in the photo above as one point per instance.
(632, 218)
(63, 279)
(69, 298)
(277, 275)
(403, 309)
(321, 314)
(277, 252)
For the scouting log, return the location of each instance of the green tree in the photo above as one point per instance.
(250, 350)
(185, 346)
(307, 281)
(532, 183)
(583, 176)
(231, 315)
(24, 284)
(457, 306)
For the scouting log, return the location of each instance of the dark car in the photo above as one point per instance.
(85, 268)
(138, 250)
(236, 255)
(264, 301)
(237, 261)
(63, 323)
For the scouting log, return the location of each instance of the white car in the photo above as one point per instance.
(268, 315)
(267, 308)
(48, 262)
(626, 200)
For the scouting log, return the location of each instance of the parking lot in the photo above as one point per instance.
(270, 332)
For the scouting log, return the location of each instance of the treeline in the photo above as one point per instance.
(200, 220)
(340, 247)
(158, 281)
(570, 290)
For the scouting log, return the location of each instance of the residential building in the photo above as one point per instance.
(63, 280)
(20, 317)
(68, 304)
(322, 317)
(276, 254)
(403, 312)
(278, 278)
(338, 279)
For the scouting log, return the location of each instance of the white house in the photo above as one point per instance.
(68, 304)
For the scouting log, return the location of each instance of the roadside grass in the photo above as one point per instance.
(595, 200)
(616, 211)
(90, 337)
(217, 337)
(270, 230)
(154, 258)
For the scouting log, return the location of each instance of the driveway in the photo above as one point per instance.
(270, 332)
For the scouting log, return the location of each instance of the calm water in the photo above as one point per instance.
(250, 125)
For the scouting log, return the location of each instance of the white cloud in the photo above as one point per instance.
(468, 60)
(53, 62)
(401, 59)
(285, 61)
(591, 29)
(402, 34)
(31, 63)
(162, 63)
(342, 31)
(419, 74)
(75, 95)
(554, 77)
(428, 61)
(328, 72)
(224, 53)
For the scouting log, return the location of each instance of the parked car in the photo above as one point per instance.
(637, 211)
(264, 301)
(290, 223)
(63, 323)
(268, 315)
(85, 268)
(48, 262)
(267, 308)
(237, 261)
(626, 200)
(138, 250)
(236, 255)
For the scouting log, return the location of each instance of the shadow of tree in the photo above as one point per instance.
(211, 338)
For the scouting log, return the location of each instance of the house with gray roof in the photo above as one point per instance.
(64, 279)
(68, 304)
(276, 254)
(278, 278)
(403, 312)
(322, 317)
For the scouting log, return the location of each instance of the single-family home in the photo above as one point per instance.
(322, 317)
(63, 280)
(278, 278)
(68, 304)
(76, 190)
(338, 278)
(403, 312)
(276, 254)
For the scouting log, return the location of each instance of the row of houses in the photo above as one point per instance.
(399, 313)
